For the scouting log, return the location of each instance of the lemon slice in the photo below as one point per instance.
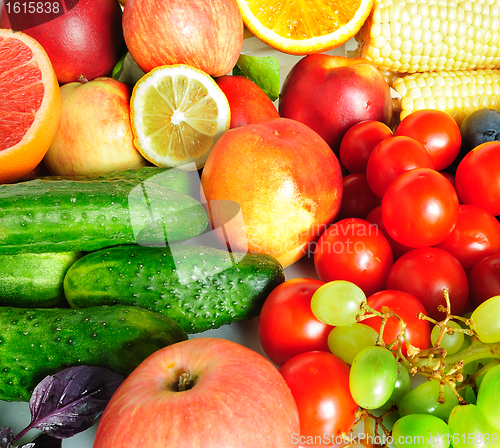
(177, 114)
(304, 26)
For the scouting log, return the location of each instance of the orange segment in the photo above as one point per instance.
(30, 104)
(304, 27)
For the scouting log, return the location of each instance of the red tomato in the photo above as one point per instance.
(392, 157)
(319, 382)
(287, 326)
(407, 307)
(375, 217)
(355, 250)
(424, 273)
(357, 198)
(475, 236)
(484, 280)
(420, 208)
(359, 141)
(437, 131)
(477, 178)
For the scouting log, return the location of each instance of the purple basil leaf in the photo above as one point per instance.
(72, 400)
(6, 437)
(44, 441)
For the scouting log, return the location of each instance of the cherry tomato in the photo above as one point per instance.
(420, 208)
(437, 131)
(475, 236)
(359, 141)
(407, 307)
(477, 178)
(319, 382)
(357, 198)
(392, 157)
(375, 217)
(287, 326)
(484, 280)
(424, 273)
(355, 250)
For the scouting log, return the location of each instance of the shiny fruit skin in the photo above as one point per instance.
(238, 399)
(287, 326)
(248, 102)
(355, 250)
(373, 377)
(316, 89)
(266, 170)
(87, 40)
(484, 279)
(424, 273)
(319, 382)
(207, 35)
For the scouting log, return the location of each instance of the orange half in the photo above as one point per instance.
(304, 27)
(30, 104)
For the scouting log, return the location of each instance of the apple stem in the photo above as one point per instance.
(82, 79)
(186, 381)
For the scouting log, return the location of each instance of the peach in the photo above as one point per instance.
(272, 187)
(94, 135)
(332, 93)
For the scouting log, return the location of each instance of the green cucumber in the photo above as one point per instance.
(66, 215)
(199, 287)
(174, 178)
(31, 280)
(35, 343)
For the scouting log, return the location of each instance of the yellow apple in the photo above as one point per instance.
(94, 135)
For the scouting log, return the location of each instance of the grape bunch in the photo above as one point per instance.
(444, 395)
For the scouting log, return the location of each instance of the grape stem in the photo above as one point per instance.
(432, 362)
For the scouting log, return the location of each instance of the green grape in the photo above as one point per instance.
(421, 431)
(485, 320)
(488, 396)
(472, 366)
(470, 428)
(452, 343)
(338, 302)
(401, 388)
(373, 376)
(423, 399)
(348, 340)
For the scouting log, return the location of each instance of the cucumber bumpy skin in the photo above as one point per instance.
(29, 280)
(35, 343)
(199, 287)
(64, 215)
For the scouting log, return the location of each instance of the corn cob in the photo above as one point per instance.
(436, 54)
(409, 36)
(457, 92)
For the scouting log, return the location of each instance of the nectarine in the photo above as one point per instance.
(332, 93)
(285, 181)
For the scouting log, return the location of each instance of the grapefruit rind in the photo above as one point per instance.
(19, 160)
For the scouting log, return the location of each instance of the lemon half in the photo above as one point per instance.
(178, 112)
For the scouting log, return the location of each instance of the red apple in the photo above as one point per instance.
(204, 392)
(332, 93)
(94, 135)
(206, 34)
(85, 40)
(248, 102)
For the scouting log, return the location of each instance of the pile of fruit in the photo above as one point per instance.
(152, 189)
